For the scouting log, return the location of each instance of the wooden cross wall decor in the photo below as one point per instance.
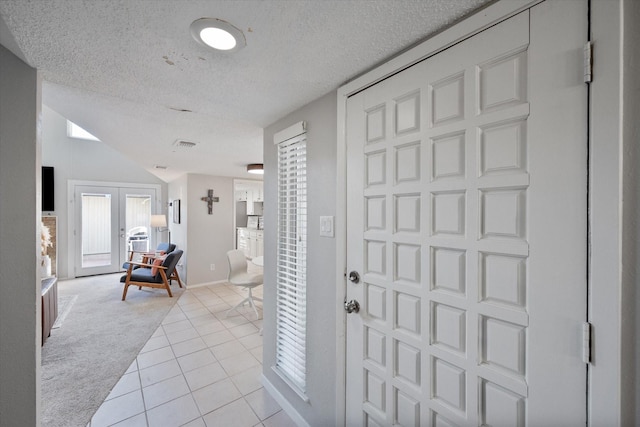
(210, 199)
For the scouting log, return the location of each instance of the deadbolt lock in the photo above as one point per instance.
(354, 277)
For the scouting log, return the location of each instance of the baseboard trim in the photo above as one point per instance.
(284, 403)
(200, 285)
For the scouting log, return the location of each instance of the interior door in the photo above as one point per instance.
(110, 222)
(467, 185)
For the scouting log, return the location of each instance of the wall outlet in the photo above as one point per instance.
(213, 267)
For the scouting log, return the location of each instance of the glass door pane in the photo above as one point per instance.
(97, 247)
(137, 222)
(96, 230)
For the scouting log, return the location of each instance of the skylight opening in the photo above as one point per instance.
(75, 131)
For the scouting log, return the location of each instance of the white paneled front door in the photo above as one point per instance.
(467, 186)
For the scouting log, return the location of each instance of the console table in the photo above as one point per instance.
(49, 305)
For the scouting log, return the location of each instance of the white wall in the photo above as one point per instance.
(210, 236)
(77, 159)
(206, 238)
(320, 116)
(20, 331)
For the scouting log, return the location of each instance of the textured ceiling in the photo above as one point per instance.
(125, 69)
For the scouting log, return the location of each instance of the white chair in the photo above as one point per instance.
(239, 276)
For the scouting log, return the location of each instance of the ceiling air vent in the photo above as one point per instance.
(184, 145)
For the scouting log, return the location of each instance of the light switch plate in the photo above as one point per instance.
(326, 226)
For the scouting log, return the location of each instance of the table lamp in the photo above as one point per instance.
(160, 221)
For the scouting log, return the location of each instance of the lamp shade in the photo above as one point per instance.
(158, 221)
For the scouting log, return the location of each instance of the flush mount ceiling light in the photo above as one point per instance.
(255, 168)
(218, 34)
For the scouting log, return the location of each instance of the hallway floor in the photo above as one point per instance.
(199, 369)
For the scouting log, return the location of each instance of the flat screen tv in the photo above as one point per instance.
(47, 189)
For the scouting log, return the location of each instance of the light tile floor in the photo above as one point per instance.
(199, 369)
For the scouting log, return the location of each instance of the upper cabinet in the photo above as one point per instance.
(251, 192)
(255, 208)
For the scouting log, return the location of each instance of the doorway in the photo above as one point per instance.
(111, 221)
(248, 210)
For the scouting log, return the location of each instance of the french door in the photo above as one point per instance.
(110, 222)
(467, 186)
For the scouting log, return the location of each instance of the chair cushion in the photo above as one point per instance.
(166, 247)
(142, 275)
(156, 263)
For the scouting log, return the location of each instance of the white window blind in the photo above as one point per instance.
(291, 274)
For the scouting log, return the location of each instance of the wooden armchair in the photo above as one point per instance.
(152, 276)
(163, 248)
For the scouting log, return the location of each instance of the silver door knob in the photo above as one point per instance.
(354, 277)
(352, 306)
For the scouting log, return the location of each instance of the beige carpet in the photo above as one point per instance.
(100, 337)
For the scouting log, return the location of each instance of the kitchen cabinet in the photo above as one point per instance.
(256, 243)
(254, 202)
(251, 242)
(252, 193)
(243, 241)
(254, 208)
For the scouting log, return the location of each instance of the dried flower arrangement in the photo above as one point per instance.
(45, 239)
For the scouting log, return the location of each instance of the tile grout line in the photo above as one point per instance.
(228, 296)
